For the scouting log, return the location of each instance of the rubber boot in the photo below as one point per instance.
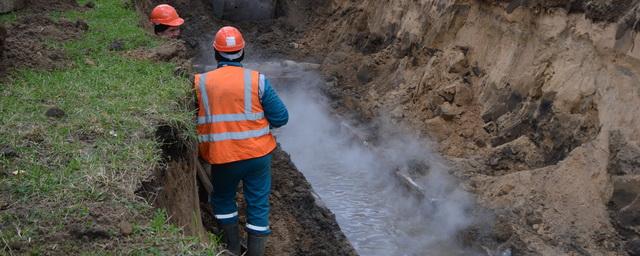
(232, 237)
(256, 245)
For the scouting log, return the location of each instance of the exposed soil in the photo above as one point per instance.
(28, 42)
(96, 230)
(534, 102)
(51, 5)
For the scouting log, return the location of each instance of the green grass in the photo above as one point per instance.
(90, 161)
(8, 17)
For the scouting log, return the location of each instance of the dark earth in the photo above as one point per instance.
(26, 42)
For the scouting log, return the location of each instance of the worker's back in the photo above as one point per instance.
(231, 121)
(236, 109)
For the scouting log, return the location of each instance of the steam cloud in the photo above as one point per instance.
(377, 214)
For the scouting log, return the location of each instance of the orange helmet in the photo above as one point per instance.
(166, 15)
(228, 39)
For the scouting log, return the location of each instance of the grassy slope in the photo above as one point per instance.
(75, 177)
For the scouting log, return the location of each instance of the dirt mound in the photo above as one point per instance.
(27, 44)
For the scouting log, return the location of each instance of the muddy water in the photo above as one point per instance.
(376, 213)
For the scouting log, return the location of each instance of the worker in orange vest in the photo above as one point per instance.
(236, 109)
(166, 22)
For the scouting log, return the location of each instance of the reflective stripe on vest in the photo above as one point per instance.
(214, 137)
(247, 116)
(231, 121)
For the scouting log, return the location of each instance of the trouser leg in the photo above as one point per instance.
(223, 197)
(225, 209)
(257, 187)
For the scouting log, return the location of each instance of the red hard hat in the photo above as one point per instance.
(228, 39)
(166, 15)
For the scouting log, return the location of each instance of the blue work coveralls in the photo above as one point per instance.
(254, 173)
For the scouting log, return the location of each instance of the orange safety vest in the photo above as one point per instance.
(231, 123)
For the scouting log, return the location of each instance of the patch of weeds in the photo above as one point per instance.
(8, 17)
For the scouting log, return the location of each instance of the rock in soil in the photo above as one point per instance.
(55, 112)
(449, 112)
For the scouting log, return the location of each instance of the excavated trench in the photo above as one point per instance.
(301, 224)
(541, 130)
(362, 183)
(376, 211)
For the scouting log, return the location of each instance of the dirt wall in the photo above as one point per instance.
(522, 96)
